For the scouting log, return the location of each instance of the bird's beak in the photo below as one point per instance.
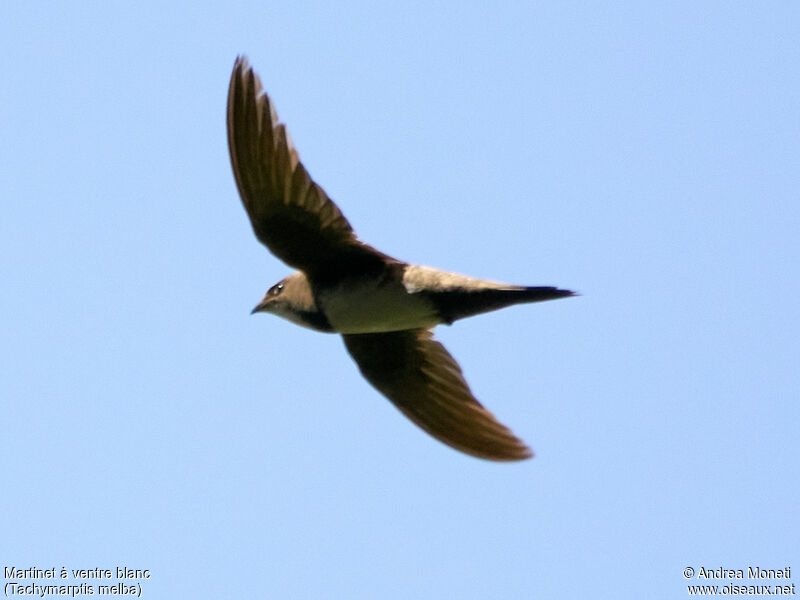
(259, 308)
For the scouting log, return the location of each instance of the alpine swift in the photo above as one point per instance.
(384, 308)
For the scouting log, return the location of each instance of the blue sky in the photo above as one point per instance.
(646, 156)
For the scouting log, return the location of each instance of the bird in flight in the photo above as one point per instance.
(385, 309)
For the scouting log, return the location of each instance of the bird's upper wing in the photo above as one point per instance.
(290, 213)
(423, 380)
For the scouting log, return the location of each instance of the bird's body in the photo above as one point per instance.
(375, 305)
(384, 308)
(401, 297)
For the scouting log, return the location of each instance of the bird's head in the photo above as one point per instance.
(292, 299)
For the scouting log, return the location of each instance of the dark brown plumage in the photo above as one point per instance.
(384, 308)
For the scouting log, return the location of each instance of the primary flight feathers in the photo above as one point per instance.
(291, 215)
(383, 307)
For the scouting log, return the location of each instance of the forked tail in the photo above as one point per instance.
(454, 304)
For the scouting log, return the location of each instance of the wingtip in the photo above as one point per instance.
(510, 449)
(241, 66)
(519, 454)
(516, 451)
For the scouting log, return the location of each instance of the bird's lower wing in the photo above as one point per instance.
(423, 380)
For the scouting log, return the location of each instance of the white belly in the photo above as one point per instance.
(372, 308)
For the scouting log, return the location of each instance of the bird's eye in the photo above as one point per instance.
(276, 289)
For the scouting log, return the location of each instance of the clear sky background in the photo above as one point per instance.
(644, 154)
